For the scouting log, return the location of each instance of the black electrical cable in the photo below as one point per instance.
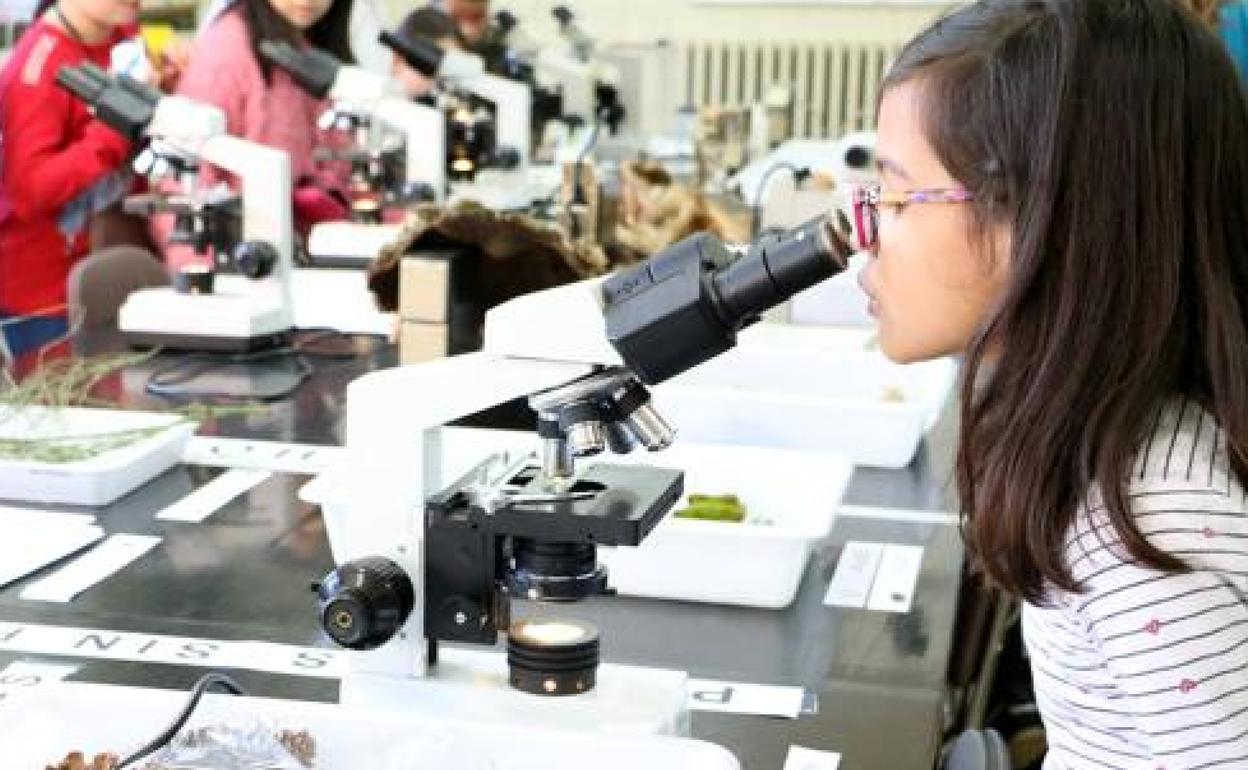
(169, 381)
(161, 740)
(799, 175)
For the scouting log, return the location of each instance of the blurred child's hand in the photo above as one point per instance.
(171, 62)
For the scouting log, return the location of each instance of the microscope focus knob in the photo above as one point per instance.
(255, 259)
(364, 603)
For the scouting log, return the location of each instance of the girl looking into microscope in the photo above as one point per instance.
(1064, 201)
(59, 166)
(262, 103)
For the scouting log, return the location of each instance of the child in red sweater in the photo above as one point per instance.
(58, 165)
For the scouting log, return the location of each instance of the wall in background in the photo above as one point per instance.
(649, 20)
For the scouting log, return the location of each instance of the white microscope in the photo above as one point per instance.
(494, 175)
(425, 559)
(378, 106)
(204, 310)
(583, 92)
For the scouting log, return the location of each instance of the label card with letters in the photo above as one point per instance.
(175, 650)
(741, 698)
(808, 759)
(875, 576)
(23, 675)
(893, 590)
(855, 572)
(215, 495)
(104, 559)
(278, 456)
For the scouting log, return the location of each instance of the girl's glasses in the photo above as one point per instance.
(868, 199)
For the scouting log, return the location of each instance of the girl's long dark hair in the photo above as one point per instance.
(330, 34)
(1112, 137)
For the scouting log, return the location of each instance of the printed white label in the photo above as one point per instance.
(808, 759)
(276, 456)
(22, 676)
(32, 540)
(742, 698)
(899, 514)
(854, 575)
(90, 568)
(214, 495)
(896, 579)
(175, 650)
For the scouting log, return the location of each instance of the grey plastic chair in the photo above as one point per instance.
(977, 750)
(101, 281)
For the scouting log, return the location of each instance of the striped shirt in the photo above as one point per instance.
(1146, 670)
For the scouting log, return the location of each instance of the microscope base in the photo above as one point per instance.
(146, 340)
(472, 685)
(228, 320)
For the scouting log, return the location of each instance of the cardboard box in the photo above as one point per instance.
(425, 288)
(420, 341)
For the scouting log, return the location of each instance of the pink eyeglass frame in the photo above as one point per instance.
(867, 200)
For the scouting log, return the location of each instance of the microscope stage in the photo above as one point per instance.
(606, 504)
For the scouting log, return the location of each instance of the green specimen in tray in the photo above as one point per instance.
(713, 508)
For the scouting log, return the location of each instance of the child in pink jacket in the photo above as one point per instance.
(263, 104)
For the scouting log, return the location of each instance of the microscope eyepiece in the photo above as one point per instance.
(314, 70)
(119, 101)
(424, 56)
(86, 81)
(686, 303)
(776, 267)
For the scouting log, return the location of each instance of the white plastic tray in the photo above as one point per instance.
(40, 726)
(749, 564)
(98, 480)
(798, 398)
(757, 565)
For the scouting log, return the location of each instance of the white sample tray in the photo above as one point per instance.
(750, 564)
(853, 402)
(98, 480)
(40, 726)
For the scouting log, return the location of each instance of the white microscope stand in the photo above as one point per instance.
(393, 463)
(572, 78)
(240, 313)
(513, 109)
(352, 244)
(423, 128)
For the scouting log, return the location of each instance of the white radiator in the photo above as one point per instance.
(834, 84)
